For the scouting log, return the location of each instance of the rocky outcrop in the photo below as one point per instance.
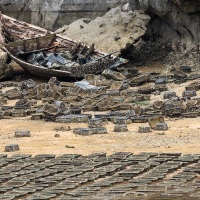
(172, 37)
(190, 6)
(52, 14)
(171, 20)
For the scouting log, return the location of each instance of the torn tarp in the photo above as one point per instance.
(85, 85)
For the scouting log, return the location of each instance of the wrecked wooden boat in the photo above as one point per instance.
(46, 54)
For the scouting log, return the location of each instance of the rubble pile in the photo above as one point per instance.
(122, 97)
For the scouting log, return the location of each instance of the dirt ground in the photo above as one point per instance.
(183, 136)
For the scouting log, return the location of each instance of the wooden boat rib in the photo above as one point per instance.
(17, 36)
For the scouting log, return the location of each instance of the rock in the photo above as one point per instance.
(19, 113)
(95, 123)
(160, 81)
(72, 119)
(120, 120)
(37, 116)
(112, 31)
(110, 74)
(52, 15)
(161, 126)
(62, 129)
(120, 128)
(186, 69)
(187, 6)
(126, 7)
(89, 131)
(12, 147)
(69, 147)
(144, 129)
(57, 135)
(22, 133)
(5, 69)
(117, 85)
(153, 121)
(180, 74)
(28, 84)
(189, 93)
(169, 95)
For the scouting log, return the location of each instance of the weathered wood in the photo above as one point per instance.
(91, 50)
(29, 39)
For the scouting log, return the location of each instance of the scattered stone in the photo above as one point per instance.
(62, 129)
(189, 93)
(69, 147)
(22, 133)
(160, 133)
(161, 126)
(57, 135)
(139, 119)
(3, 100)
(12, 147)
(1, 115)
(95, 123)
(180, 74)
(89, 131)
(153, 121)
(72, 119)
(169, 95)
(19, 113)
(37, 116)
(110, 74)
(186, 69)
(190, 114)
(28, 84)
(144, 129)
(120, 128)
(120, 120)
(138, 80)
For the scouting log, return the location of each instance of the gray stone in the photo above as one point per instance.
(89, 131)
(95, 123)
(12, 147)
(120, 120)
(120, 128)
(19, 113)
(57, 135)
(161, 126)
(168, 95)
(5, 69)
(22, 133)
(144, 129)
(72, 119)
(37, 116)
(189, 93)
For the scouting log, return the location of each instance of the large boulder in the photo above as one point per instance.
(5, 68)
(110, 32)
